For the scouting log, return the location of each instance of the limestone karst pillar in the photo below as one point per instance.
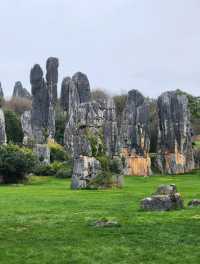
(134, 135)
(175, 154)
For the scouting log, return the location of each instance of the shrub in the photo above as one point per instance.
(99, 96)
(13, 127)
(120, 101)
(64, 173)
(54, 169)
(15, 163)
(103, 180)
(57, 151)
(116, 166)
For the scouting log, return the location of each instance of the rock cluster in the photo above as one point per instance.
(20, 92)
(44, 94)
(91, 130)
(166, 198)
(134, 135)
(175, 154)
(39, 123)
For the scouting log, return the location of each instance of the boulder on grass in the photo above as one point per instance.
(166, 198)
(194, 203)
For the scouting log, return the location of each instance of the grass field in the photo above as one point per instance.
(46, 222)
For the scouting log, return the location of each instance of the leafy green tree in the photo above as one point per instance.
(13, 127)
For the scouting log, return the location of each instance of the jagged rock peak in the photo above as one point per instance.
(135, 97)
(64, 95)
(175, 154)
(36, 78)
(20, 91)
(83, 86)
(1, 91)
(52, 76)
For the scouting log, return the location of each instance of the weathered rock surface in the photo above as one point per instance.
(91, 129)
(166, 190)
(40, 105)
(83, 87)
(52, 78)
(27, 128)
(42, 151)
(3, 138)
(20, 92)
(175, 154)
(165, 198)
(51, 81)
(194, 203)
(197, 158)
(1, 91)
(85, 170)
(64, 95)
(134, 135)
(44, 100)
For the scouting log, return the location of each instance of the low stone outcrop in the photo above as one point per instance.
(3, 138)
(194, 203)
(134, 135)
(20, 92)
(175, 154)
(85, 170)
(42, 151)
(166, 198)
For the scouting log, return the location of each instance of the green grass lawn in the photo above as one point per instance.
(46, 222)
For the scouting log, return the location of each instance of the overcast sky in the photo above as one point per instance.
(150, 45)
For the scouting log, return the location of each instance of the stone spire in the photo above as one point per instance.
(134, 135)
(175, 154)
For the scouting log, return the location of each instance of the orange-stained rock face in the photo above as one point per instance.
(175, 158)
(136, 165)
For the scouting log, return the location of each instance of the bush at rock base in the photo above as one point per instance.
(58, 169)
(57, 151)
(15, 163)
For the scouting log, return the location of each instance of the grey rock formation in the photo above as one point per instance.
(197, 158)
(166, 198)
(52, 78)
(194, 203)
(83, 86)
(1, 91)
(166, 190)
(110, 128)
(3, 138)
(134, 135)
(42, 151)
(85, 170)
(40, 105)
(91, 129)
(27, 128)
(74, 91)
(51, 81)
(20, 92)
(44, 101)
(175, 154)
(65, 92)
